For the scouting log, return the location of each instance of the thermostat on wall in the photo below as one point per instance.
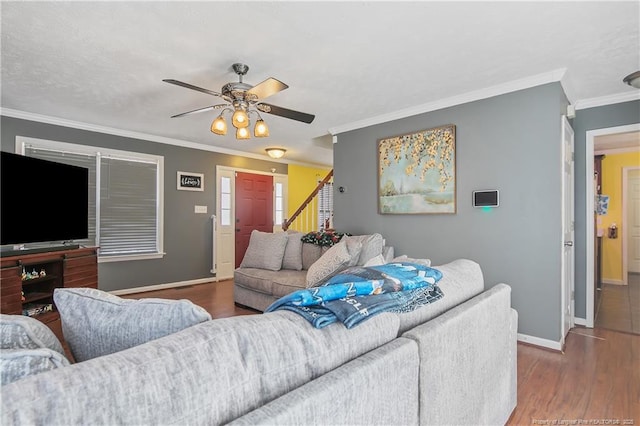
(486, 198)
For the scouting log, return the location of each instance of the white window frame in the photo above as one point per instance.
(22, 141)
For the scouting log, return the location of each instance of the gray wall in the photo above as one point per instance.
(187, 236)
(591, 119)
(511, 143)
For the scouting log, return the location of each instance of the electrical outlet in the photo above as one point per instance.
(200, 209)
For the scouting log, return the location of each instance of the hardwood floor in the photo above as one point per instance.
(596, 381)
(619, 306)
(215, 297)
(597, 378)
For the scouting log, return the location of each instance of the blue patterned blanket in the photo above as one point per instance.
(358, 293)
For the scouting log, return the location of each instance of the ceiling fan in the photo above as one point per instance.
(244, 99)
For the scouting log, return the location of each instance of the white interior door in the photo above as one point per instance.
(568, 250)
(632, 222)
(225, 231)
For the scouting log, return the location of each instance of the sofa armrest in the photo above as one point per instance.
(468, 361)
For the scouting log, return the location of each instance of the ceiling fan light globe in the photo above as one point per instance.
(261, 129)
(243, 133)
(240, 119)
(219, 126)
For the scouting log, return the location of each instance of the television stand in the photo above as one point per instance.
(34, 250)
(32, 293)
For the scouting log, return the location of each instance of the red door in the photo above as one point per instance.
(254, 208)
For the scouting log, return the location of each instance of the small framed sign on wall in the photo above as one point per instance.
(189, 181)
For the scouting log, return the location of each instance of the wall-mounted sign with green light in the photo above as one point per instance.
(486, 198)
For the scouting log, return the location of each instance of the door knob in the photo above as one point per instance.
(568, 243)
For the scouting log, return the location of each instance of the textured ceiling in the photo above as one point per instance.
(102, 63)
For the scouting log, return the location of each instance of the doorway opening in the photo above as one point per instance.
(598, 141)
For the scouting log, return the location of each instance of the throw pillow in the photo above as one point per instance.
(23, 332)
(292, 258)
(354, 247)
(265, 251)
(375, 261)
(371, 246)
(96, 323)
(16, 364)
(334, 260)
(405, 258)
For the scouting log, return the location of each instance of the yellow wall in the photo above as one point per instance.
(612, 165)
(303, 180)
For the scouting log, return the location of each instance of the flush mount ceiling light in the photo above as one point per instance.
(633, 79)
(276, 152)
(242, 101)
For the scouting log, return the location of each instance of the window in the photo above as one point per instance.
(125, 200)
(279, 204)
(325, 206)
(225, 201)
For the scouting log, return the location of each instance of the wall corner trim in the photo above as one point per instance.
(489, 92)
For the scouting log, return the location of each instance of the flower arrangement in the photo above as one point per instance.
(323, 238)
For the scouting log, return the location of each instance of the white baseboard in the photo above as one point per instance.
(545, 343)
(162, 286)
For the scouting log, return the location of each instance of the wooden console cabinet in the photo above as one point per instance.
(44, 273)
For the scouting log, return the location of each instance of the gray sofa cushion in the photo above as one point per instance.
(210, 373)
(23, 332)
(265, 251)
(16, 364)
(292, 258)
(346, 395)
(256, 279)
(276, 283)
(287, 282)
(310, 254)
(96, 323)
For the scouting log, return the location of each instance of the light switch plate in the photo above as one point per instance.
(200, 209)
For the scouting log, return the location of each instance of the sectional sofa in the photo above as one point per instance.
(277, 264)
(449, 362)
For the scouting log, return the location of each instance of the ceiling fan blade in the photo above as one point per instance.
(287, 113)
(269, 87)
(191, 86)
(195, 111)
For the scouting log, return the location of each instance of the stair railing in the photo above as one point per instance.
(304, 217)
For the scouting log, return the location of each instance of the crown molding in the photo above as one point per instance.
(489, 92)
(613, 151)
(138, 135)
(608, 100)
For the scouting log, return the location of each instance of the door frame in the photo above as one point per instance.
(567, 279)
(625, 235)
(590, 203)
(222, 170)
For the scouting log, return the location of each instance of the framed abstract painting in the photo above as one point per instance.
(417, 172)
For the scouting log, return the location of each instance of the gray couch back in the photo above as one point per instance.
(211, 373)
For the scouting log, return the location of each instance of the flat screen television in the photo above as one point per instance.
(42, 202)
